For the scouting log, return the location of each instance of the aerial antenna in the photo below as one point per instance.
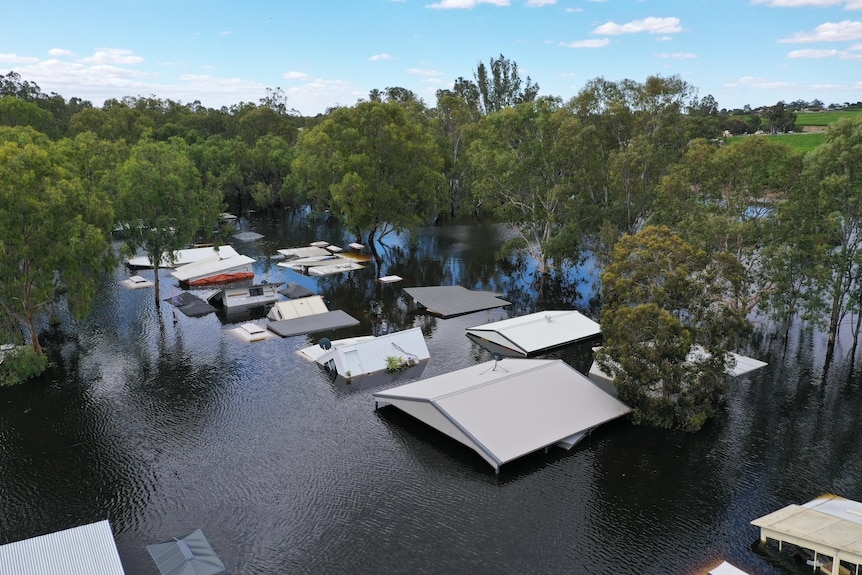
(498, 357)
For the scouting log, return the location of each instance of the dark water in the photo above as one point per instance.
(163, 427)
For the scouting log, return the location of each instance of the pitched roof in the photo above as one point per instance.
(504, 410)
(537, 332)
(81, 550)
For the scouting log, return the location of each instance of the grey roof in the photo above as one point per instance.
(449, 301)
(334, 319)
(190, 304)
(294, 290)
(82, 550)
(537, 332)
(190, 555)
(504, 410)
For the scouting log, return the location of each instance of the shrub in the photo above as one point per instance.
(21, 364)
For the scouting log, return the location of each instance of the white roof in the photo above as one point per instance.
(82, 550)
(304, 252)
(725, 568)
(369, 355)
(345, 265)
(211, 266)
(183, 257)
(536, 332)
(829, 525)
(299, 307)
(504, 410)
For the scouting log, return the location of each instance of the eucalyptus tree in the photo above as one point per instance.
(828, 218)
(54, 231)
(525, 166)
(637, 133)
(494, 87)
(722, 199)
(666, 332)
(375, 165)
(455, 121)
(161, 203)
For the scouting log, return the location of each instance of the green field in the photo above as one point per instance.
(823, 118)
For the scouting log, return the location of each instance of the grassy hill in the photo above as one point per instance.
(811, 126)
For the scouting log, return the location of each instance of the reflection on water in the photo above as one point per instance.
(165, 426)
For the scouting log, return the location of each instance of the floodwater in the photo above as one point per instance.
(165, 426)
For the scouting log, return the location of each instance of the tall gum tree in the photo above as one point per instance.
(525, 165)
(53, 231)
(374, 166)
(161, 203)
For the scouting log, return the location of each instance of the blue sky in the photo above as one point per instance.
(323, 53)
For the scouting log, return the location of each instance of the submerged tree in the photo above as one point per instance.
(666, 333)
(53, 231)
(161, 202)
(373, 166)
(525, 162)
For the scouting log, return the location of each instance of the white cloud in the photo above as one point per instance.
(828, 32)
(651, 25)
(383, 56)
(574, 10)
(597, 43)
(112, 56)
(795, 3)
(678, 55)
(465, 4)
(225, 33)
(60, 52)
(813, 53)
(293, 75)
(16, 59)
(424, 72)
(540, 3)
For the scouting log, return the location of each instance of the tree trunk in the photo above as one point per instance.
(34, 333)
(156, 283)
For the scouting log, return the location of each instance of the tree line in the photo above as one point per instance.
(694, 236)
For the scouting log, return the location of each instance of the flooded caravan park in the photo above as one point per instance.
(166, 424)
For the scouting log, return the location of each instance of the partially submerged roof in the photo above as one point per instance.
(213, 265)
(725, 568)
(136, 282)
(82, 550)
(340, 266)
(189, 555)
(363, 356)
(312, 323)
(829, 525)
(304, 252)
(449, 301)
(183, 257)
(295, 290)
(504, 410)
(537, 332)
(299, 307)
(247, 236)
(190, 304)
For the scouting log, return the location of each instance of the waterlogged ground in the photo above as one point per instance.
(164, 426)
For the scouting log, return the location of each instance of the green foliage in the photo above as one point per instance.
(375, 165)
(666, 333)
(21, 364)
(524, 161)
(395, 363)
(53, 230)
(162, 204)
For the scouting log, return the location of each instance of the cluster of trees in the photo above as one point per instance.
(693, 236)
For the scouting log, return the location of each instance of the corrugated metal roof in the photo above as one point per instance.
(211, 266)
(84, 550)
(536, 332)
(504, 410)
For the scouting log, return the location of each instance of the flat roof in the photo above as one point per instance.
(334, 319)
(536, 332)
(829, 525)
(504, 410)
(449, 301)
(83, 550)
